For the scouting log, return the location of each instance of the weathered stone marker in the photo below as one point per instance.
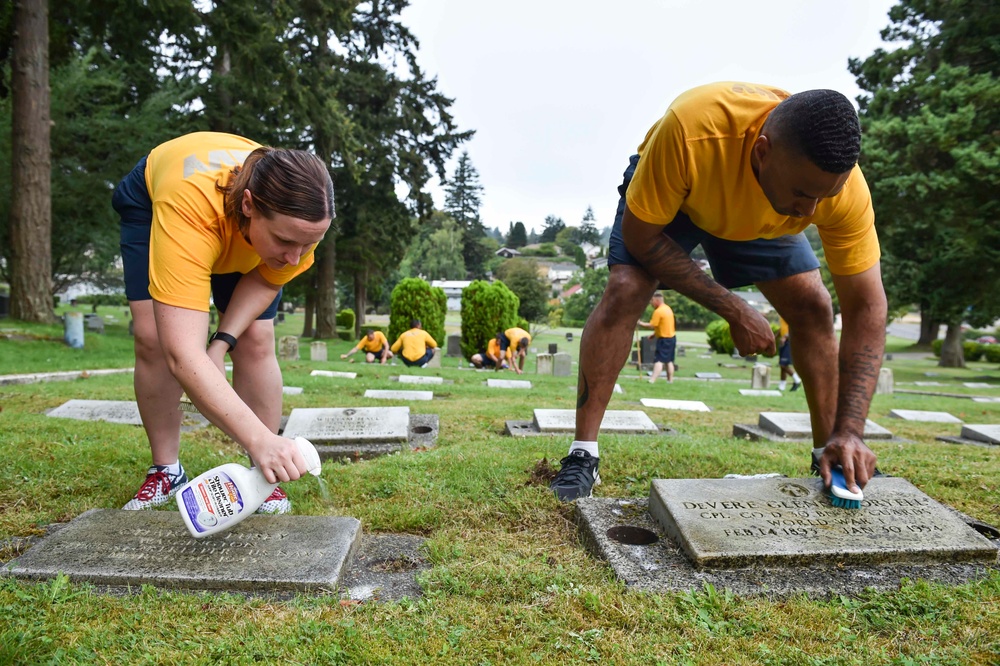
(917, 415)
(684, 405)
(543, 364)
(399, 395)
(435, 361)
(112, 411)
(508, 383)
(733, 523)
(795, 425)
(333, 373)
(708, 375)
(621, 421)
(885, 384)
(134, 548)
(772, 393)
(337, 425)
(562, 364)
(317, 351)
(288, 348)
(420, 379)
(982, 433)
(454, 345)
(760, 377)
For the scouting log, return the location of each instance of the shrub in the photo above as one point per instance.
(991, 353)
(486, 308)
(936, 347)
(345, 319)
(971, 350)
(346, 334)
(555, 317)
(413, 298)
(721, 340)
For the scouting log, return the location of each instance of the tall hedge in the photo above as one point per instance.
(486, 308)
(721, 340)
(413, 298)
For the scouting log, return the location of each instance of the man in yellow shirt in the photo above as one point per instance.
(491, 358)
(514, 345)
(664, 330)
(741, 169)
(785, 357)
(375, 347)
(416, 344)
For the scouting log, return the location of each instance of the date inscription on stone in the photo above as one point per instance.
(735, 523)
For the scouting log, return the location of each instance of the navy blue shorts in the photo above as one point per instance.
(428, 355)
(785, 353)
(734, 263)
(131, 201)
(665, 348)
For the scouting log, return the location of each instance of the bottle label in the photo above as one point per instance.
(211, 501)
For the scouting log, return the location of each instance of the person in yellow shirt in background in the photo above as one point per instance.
(514, 345)
(416, 344)
(785, 357)
(742, 169)
(491, 358)
(375, 346)
(211, 216)
(665, 333)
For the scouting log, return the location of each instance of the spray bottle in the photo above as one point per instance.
(221, 497)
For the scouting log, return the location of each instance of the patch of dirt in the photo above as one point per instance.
(541, 474)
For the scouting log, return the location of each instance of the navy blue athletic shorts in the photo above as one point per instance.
(665, 348)
(734, 263)
(131, 201)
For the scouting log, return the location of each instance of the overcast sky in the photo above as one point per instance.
(561, 93)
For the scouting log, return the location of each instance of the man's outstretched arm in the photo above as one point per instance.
(666, 261)
(863, 309)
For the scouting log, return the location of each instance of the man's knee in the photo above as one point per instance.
(629, 290)
(256, 342)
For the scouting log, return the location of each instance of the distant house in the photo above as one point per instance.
(560, 273)
(453, 290)
(756, 300)
(507, 253)
(569, 292)
(590, 250)
(598, 262)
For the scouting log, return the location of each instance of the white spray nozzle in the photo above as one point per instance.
(310, 455)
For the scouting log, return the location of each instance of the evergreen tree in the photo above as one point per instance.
(553, 225)
(516, 236)
(463, 198)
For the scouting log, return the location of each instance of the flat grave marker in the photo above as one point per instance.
(508, 383)
(978, 385)
(615, 421)
(111, 411)
(333, 373)
(683, 405)
(292, 390)
(708, 375)
(399, 395)
(420, 379)
(988, 433)
(135, 548)
(339, 425)
(762, 393)
(795, 425)
(930, 417)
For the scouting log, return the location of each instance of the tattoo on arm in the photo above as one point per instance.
(667, 261)
(858, 376)
(581, 400)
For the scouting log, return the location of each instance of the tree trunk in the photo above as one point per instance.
(928, 328)
(221, 68)
(360, 299)
(310, 309)
(326, 292)
(31, 168)
(952, 354)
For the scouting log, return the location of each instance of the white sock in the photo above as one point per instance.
(796, 378)
(781, 385)
(589, 447)
(174, 468)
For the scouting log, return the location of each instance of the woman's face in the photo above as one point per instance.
(281, 240)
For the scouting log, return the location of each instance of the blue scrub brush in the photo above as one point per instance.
(840, 496)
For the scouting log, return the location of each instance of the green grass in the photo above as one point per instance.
(509, 582)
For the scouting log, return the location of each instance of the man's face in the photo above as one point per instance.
(371, 335)
(793, 184)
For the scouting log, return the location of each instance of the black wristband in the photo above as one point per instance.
(225, 337)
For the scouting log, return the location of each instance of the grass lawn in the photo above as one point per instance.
(509, 582)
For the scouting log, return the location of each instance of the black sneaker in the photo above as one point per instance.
(796, 385)
(160, 485)
(577, 477)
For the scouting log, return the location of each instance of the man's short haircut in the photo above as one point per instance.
(822, 125)
(657, 294)
(522, 343)
(414, 323)
(370, 331)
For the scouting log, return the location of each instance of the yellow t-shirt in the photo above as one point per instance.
(191, 238)
(515, 335)
(663, 322)
(414, 343)
(375, 344)
(493, 348)
(696, 159)
(782, 327)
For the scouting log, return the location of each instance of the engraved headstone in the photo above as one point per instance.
(508, 383)
(135, 548)
(455, 344)
(982, 433)
(435, 361)
(333, 373)
(708, 375)
(562, 364)
(317, 351)
(543, 364)
(917, 415)
(884, 384)
(797, 425)
(733, 523)
(760, 376)
(399, 395)
(683, 405)
(420, 379)
(564, 420)
(288, 348)
(336, 425)
(112, 411)
(761, 393)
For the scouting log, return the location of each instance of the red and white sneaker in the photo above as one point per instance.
(276, 503)
(160, 485)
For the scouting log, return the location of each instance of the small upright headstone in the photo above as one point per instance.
(543, 364)
(94, 323)
(288, 348)
(281, 317)
(553, 348)
(317, 351)
(73, 324)
(435, 361)
(569, 337)
(562, 364)
(681, 351)
(131, 327)
(454, 345)
(885, 383)
(760, 377)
